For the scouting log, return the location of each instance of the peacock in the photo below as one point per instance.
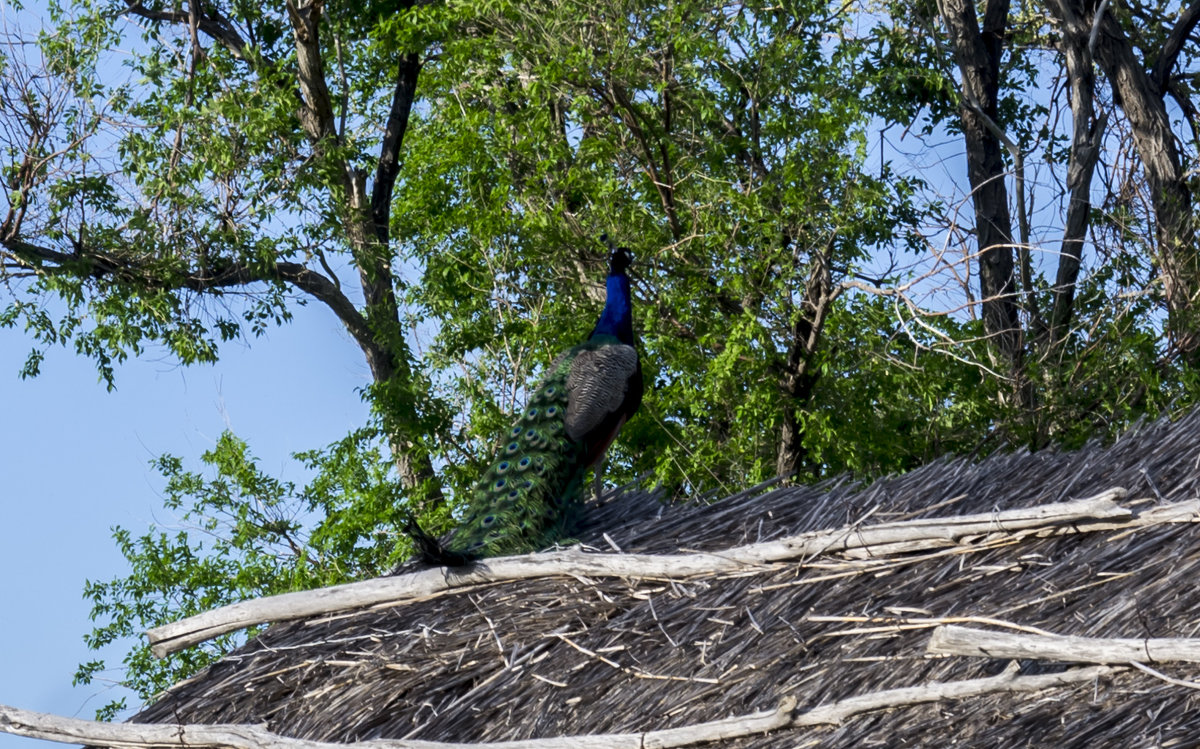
(531, 495)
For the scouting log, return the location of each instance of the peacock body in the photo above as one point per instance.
(531, 495)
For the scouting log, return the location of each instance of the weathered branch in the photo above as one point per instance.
(1008, 681)
(952, 639)
(175, 736)
(1097, 513)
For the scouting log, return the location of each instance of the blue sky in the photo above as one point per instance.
(75, 462)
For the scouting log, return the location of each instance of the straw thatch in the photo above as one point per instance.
(571, 655)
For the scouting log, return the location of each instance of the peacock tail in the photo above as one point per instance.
(526, 500)
(531, 495)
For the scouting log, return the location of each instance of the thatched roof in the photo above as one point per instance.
(570, 655)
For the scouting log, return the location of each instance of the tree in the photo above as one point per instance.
(1020, 74)
(237, 170)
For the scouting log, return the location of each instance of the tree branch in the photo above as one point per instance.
(211, 23)
(316, 111)
(1170, 195)
(978, 49)
(91, 264)
(393, 137)
(1087, 135)
(1174, 45)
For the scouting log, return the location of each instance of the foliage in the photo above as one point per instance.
(242, 534)
(724, 145)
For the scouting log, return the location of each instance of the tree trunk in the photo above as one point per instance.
(365, 220)
(799, 378)
(977, 51)
(1144, 106)
(1086, 135)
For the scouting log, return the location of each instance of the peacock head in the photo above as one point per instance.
(619, 258)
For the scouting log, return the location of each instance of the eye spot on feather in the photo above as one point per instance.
(502, 466)
(552, 410)
(516, 431)
(513, 494)
(531, 413)
(551, 390)
(489, 520)
(513, 447)
(523, 463)
(500, 483)
(527, 485)
(530, 433)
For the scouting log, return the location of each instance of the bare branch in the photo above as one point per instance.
(149, 735)
(1096, 513)
(952, 639)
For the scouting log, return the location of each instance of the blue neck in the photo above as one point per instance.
(617, 317)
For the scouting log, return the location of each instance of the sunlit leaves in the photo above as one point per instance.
(234, 532)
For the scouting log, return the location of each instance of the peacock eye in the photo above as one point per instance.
(513, 447)
(531, 433)
(513, 494)
(527, 485)
(531, 413)
(524, 462)
(551, 390)
(503, 466)
(489, 520)
(551, 410)
(500, 484)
